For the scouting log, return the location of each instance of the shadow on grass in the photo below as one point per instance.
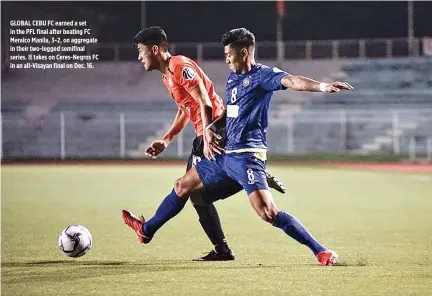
(40, 263)
(69, 270)
(360, 262)
(158, 263)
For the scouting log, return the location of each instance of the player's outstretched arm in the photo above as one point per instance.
(301, 83)
(158, 146)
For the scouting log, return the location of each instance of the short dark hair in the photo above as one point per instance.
(151, 36)
(240, 37)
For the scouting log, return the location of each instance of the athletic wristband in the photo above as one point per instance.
(323, 87)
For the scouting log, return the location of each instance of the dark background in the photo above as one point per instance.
(207, 21)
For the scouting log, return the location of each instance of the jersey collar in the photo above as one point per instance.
(252, 70)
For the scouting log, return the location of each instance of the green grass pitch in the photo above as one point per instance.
(379, 223)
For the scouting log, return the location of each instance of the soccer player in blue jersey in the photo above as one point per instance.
(243, 158)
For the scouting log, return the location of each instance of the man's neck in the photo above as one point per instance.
(164, 63)
(248, 66)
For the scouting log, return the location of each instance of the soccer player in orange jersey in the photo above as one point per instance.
(198, 102)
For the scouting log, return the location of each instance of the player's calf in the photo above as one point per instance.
(263, 204)
(210, 222)
(267, 214)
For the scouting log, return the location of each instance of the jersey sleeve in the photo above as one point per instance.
(186, 76)
(271, 78)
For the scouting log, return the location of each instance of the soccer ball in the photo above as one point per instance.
(75, 241)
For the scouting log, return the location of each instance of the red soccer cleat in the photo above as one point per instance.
(136, 224)
(327, 257)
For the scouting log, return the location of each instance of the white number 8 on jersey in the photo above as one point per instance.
(234, 95)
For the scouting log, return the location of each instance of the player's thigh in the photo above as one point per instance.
(247, 170)
(221, 189)
(263, 204)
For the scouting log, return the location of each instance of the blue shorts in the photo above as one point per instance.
(243, 168)
(220, 190)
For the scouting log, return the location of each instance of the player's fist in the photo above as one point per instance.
(156, 148)
(338, 86)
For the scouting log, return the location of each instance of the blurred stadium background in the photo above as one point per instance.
(114, 110)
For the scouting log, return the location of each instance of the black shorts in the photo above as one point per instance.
(197, 152)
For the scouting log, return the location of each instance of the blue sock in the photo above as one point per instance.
(169, 208)
(293, 227)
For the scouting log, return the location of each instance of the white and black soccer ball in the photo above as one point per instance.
(75, 241)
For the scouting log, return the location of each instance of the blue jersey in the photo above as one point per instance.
(247, 98)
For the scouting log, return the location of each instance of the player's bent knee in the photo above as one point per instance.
(182, 188)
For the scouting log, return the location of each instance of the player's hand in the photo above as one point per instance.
(212, 144)
(338, 86)
(156, 148)
(208, 153)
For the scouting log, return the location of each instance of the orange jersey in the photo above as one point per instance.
(182, 77)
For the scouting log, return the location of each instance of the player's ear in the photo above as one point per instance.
(155, 49)
(244, 53)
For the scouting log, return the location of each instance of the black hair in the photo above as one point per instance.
(240, 37)
(151, 36)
